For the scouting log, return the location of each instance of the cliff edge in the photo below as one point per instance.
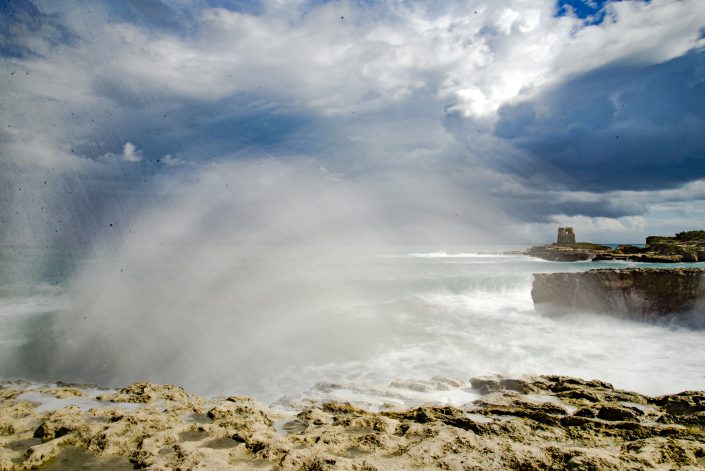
(644, 293)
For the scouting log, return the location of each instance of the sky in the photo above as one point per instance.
(424, 122)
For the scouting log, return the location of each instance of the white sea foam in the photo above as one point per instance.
(453, 255)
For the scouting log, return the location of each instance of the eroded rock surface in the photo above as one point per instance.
(532, 422)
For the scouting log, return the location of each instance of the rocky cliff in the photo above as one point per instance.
(646, 293)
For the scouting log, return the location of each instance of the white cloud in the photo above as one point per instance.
(172, 161)
(475, 55)
(469, 57)
(131, 153)
(634, 31)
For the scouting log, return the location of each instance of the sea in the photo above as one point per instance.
(378, 326)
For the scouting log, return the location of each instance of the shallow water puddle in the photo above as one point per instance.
(21, 446)
(48, 403)
(167, 450)
(354, 452)
(359, 431)
(221, 443)
(479, 418)
(195, 418)
(289, 426)
(72, 458)
(193, 435)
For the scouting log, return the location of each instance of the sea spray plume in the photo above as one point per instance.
(54, 203)
(238, 270)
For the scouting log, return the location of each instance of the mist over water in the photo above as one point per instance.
(310, 200)
(267, 281)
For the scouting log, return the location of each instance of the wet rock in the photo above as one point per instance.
(616, 413)
(561, 384)
(579, 394)
(556, 253)
(147, 392)
(494, 383)
(585, 412)
(486, 384)
(685, 403)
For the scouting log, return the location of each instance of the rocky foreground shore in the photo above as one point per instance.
(534, 422)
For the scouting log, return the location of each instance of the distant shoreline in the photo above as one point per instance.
(683, 247)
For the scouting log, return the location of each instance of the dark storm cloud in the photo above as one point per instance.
(542, 207)
(620, 127)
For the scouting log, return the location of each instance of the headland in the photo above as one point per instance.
(684, 247)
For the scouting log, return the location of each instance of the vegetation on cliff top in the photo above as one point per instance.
(691, 236)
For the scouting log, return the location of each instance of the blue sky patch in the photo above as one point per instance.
(592, 11)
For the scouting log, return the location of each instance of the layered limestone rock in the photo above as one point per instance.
(532, 422)
(645, 293)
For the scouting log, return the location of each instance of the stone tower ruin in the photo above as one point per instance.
(566, 236)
